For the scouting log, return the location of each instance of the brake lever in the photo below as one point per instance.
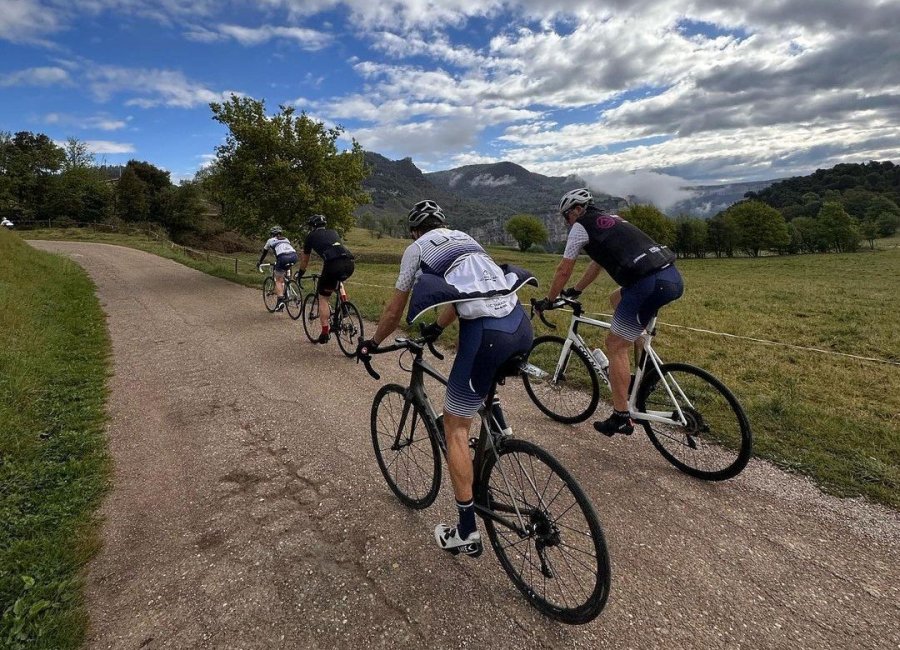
(366, 358)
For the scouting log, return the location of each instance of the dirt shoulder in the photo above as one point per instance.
(247, 509)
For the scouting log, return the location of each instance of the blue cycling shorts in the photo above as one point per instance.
(484, 345)
(642, 300)
(284, 261)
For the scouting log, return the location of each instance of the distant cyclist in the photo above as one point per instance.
(337, 265)
(285, 258)
(6, 223)
(645, 272)
(447, 266)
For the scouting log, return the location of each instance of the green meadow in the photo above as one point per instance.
(835, 418)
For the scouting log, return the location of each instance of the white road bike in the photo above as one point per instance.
(691, 417)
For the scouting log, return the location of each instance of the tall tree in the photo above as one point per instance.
(77, 155)
(760, 227)
(284, 168)
(722, 235)
(132, 197)
(27, 161)
(526, 229)
(648, 218)
(839, 227)
(691, 236)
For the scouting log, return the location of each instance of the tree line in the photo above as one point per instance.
(271, 169)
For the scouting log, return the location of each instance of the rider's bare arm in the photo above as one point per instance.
(391, 315)
(590, 274)
(563, 273)
(446, 316)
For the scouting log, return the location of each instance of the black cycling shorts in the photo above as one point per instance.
(334, 272)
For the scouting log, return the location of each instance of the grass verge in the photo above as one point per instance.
(54, 466)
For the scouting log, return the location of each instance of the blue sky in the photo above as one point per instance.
(644, 95)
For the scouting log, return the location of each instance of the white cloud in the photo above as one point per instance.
(26, 21)
(43, 76)
(99, 122)
(151, 87)
(661, 190)
(107, 146)
(308, 39)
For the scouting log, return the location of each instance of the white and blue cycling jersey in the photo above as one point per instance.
(279, 246)
(447, 266)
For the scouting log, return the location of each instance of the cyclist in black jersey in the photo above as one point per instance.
(645, 272)
(337, 265)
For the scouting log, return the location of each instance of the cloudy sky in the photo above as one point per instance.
(634, 92)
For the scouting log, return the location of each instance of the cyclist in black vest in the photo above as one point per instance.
(337, 265)
(645, 272)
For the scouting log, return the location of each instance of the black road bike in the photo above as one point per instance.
(345, 323)
(541, 524)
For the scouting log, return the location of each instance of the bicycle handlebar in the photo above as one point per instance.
(400, 344)
(561, 301)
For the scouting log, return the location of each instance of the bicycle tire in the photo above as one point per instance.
(579, 385)
(418, 458)
(293, 299)
(717, 431)
(349, 328)
(578, 587)
(270, 298)
(310, 313)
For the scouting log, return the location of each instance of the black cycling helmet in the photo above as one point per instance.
(581, 196)
(422, 210)
(316, 221)
(276, 230)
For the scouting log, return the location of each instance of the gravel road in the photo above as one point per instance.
(247, 510)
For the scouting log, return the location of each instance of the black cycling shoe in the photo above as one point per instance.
(324, 337)
(615, 423)
(280, 305)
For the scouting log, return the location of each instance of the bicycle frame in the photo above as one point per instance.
(487, 439)
(573, 338)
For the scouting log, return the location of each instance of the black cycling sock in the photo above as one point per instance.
(466, 518)
(625, 415)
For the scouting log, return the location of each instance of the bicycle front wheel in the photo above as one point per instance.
(553, 549)
(310, 315)
(716, 442)
(566, 389)
(270, 298)
(293, 299)
(349, 328)
(406, 447)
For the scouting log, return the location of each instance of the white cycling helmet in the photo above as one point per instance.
(581, 196)
(422, 210)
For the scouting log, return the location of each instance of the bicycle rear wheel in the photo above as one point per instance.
(349, 328)
(716, 442)
(405, 447)
(270, 298)
(558, 559)
(293, 299)
(569, 396)
(310, 313)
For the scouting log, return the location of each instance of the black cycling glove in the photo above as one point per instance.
(571, 292)
(432, 332)
(543, 304)
(365, 348)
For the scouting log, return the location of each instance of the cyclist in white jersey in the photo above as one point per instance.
(448, 268)
(285, 258)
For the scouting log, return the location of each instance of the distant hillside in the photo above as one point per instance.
(877, 178)
(477, 198)
(708, 200)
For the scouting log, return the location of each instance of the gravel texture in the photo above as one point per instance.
(247, 510)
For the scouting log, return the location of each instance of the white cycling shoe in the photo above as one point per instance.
(449, 540)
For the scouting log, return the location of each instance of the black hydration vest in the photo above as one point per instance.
(621, 248)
